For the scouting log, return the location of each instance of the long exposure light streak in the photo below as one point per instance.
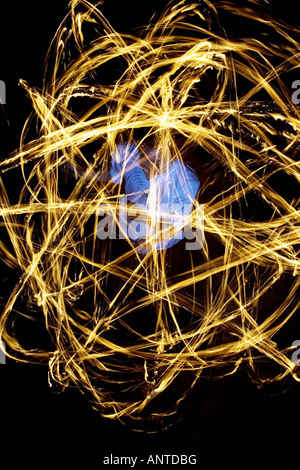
(125, 324)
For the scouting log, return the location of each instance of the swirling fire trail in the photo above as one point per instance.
(126, 323)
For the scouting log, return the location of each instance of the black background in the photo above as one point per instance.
(225, 422)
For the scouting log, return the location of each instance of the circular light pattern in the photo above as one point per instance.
(127, 324)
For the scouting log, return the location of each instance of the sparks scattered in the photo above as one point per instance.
(125, 323)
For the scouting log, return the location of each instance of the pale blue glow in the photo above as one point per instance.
(167, 196)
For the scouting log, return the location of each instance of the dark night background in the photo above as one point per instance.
(228, 421)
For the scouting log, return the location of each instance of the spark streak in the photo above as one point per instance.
(124, 325)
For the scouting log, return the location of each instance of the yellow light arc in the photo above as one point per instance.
(139, 334)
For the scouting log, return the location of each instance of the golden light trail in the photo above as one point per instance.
(124, 325)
